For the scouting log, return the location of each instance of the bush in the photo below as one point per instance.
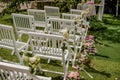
(96, 25)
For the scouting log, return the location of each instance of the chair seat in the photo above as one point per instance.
(52, 53)
(41, 24)
(20, 45)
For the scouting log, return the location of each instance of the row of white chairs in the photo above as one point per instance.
(26, 23)
(49, 45)
(52, 25)
(44, 45)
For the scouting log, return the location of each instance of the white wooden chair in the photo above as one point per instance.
(59, 24)
(51, 47)
(82, 31)
(7, 40)
(39, 16)
(10, 71)
(71, 16)
(52, 12)
(23, 23)
(76, 11)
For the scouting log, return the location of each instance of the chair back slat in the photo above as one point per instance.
(59, 24)
(6, 35)
(23, 22)
(75, 11)
(10, 71)
(46, 44)
(39, 15)
(70, 16)
(52, 11)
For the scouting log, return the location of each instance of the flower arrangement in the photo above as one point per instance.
(33, 62)
(86, 11)
(65, 33)
(88, 48)
(74, 75)
(89, 45)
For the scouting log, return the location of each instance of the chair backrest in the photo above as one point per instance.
(10, 71)
(52, 11)
(46, 44)
(59, 24)
(70, 16)
(39, 15)
(75, 11)
(23, 22)
(6, 36)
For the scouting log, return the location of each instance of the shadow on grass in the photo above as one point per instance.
(58, 78)
(52, 62)
(99, 55)
(91, 69)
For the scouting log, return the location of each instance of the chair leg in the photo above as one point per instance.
(13, 52)
(20, 58)
(66, 70)
(48, 60)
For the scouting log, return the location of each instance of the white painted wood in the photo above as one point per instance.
(50, 46)
(71, 16)
(7, 40)
(52, 12)
(10, 71)
(80, 31)
(76, 11)
(60, 24)
(101, 9)
(23, 23)
(39, 16)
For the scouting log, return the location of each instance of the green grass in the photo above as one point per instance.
(104, 66)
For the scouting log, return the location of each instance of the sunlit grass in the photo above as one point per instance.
(104, 66)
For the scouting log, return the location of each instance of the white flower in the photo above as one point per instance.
(65, 33)
(32, 60)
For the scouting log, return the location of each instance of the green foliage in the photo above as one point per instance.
(96, 25)
(65, 5)
(13, 6)
(108, 29)
(97, 1)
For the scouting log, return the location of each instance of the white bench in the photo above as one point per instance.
(50, 46)
(7, 40)
(10, 71)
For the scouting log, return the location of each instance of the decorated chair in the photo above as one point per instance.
(52, 47)
(58, 27)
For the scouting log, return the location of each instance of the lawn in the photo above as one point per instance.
(105, 65)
